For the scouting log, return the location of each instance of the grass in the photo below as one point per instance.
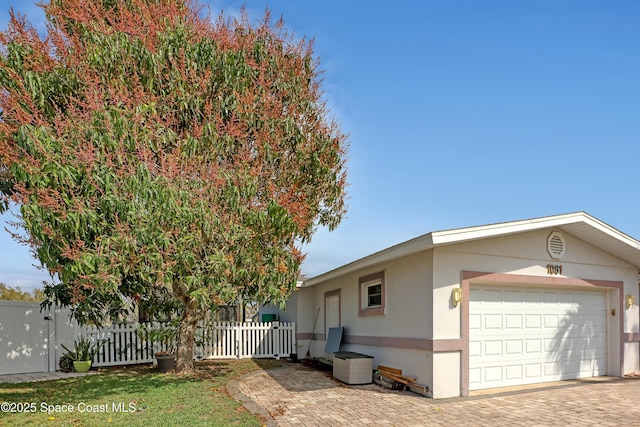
(151, 398)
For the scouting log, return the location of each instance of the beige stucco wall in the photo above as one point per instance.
(408, 299)
(407, 287)
(526, 254)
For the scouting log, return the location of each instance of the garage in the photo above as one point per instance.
(498, 305)
(529, 335)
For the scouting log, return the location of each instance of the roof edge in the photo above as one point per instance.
(503, 228)
(466, 234)
(418, 244)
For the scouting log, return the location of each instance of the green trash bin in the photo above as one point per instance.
(268, 317)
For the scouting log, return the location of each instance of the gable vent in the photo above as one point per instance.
(556, 245)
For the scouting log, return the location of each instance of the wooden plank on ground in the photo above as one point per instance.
(390, 370)
(422, 388)
(395, 378)
(404, 377)
(394, 371)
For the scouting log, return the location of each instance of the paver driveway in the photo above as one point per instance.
(299, 396)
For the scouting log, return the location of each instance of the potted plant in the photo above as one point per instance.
(166, 360)
(82, 354)
(163, 337)
(160, 330)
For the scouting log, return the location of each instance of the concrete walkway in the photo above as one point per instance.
(41, 376)
(299, 396)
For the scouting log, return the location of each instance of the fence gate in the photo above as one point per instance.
(24, 338)
(224, 340)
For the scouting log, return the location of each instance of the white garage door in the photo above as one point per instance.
(524, 336)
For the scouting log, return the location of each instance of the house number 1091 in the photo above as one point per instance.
(554, 269)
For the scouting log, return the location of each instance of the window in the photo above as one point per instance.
(372, 295)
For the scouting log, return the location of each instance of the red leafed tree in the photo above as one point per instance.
(153, 151)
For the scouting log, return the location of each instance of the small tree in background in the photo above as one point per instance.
(151, 148)
(17, 294)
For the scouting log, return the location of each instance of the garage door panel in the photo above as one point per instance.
(513, 321)
(493, 374)
(551, 321)
(553, 346)
(521, 336)
(532, 321)
(591, 369)
(513, 372)
(475, 322)
(552, 369)
(492, 321)
(513, 347)
(533, 370)
(492, 348)
(533, 346)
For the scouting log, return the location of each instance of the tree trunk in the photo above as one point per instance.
(186, 339)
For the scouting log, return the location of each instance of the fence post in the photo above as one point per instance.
(238, 333)
(275, 335)
(294, 338)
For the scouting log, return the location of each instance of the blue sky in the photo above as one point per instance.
(461, 113)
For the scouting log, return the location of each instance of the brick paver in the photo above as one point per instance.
(299, 396)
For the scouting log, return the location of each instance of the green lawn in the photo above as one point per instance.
(149, 397)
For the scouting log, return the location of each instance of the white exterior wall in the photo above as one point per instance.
(526, 254)
(306, 309)
(407, 314)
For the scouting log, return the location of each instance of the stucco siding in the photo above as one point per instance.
(407, 315)
(631, 362)
(305, 309)
(414, 363)
(523, 254)
(407, 301)
(446, 375)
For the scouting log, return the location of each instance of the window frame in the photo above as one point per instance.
(364, 283)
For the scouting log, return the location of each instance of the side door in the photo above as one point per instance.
(331, 314)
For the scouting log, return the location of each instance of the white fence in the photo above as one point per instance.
(214, 340)
(30, 338)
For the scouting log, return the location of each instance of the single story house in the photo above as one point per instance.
(497, 305)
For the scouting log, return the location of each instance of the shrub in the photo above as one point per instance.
(84, 348)
(66, 363)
